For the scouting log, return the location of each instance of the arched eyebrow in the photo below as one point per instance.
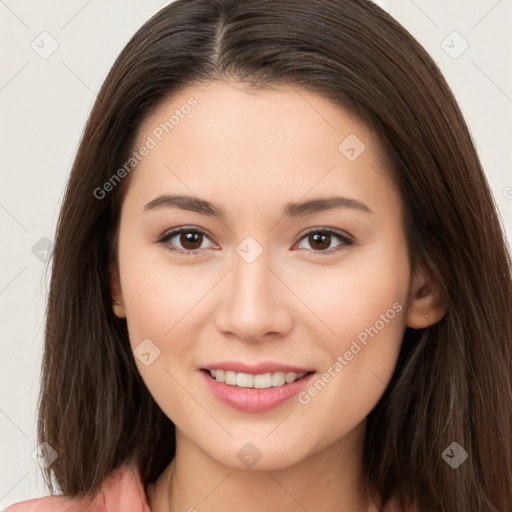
(297, 209)
(322, 204)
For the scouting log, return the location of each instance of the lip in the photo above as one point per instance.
(252, 399)
(256, 369)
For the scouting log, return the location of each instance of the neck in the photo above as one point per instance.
(330, 480)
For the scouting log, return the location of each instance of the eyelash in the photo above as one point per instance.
(345, 239)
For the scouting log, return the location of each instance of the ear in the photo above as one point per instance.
(428, 303)
(115, 290)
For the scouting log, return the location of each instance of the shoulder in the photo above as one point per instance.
(122, 491)
(45, 504)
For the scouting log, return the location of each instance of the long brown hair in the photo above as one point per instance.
(452, 382)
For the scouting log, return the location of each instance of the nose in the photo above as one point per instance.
(254, 303)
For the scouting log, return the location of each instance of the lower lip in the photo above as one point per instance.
(251, 399)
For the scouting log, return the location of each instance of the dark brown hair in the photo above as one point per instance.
(452, 382)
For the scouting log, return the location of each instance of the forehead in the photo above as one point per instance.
(285, 138)
(271, 116)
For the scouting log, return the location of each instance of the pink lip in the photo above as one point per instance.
(255, 369)
(251, 399)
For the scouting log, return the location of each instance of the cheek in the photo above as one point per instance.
(363, 311)
(370, 288)
(157, 292)
(369, 301)
(365, 308)
(161, 305)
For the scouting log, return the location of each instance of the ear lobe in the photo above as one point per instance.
(115, 290)
(428, 303)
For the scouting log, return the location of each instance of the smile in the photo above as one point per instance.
(259, 381)
(267, 386)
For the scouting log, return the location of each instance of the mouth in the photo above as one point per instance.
(257, 381)
(255, 391)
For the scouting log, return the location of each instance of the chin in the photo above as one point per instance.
(259, 453)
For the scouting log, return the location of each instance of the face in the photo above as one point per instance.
(261, 242)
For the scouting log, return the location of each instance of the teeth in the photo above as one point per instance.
(230, 378)
(260, 381)
(290, 377)
(244, 380)
(263, 381)
(278, 379)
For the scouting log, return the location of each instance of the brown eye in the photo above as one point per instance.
(184, 240)
(190, 240)
(320, 241)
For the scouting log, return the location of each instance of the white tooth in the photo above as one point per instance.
(278, 379)
(230, 378)
(290, 377)
(244, 380)
(263, 381)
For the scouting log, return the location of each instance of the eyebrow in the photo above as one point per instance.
(298, 209)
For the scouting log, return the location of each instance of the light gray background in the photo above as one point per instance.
(44, 103)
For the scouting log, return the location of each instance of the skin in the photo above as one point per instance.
(299, 302)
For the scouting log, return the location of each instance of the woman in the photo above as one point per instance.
(279, 280)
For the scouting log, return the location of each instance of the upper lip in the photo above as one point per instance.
(256, 369)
